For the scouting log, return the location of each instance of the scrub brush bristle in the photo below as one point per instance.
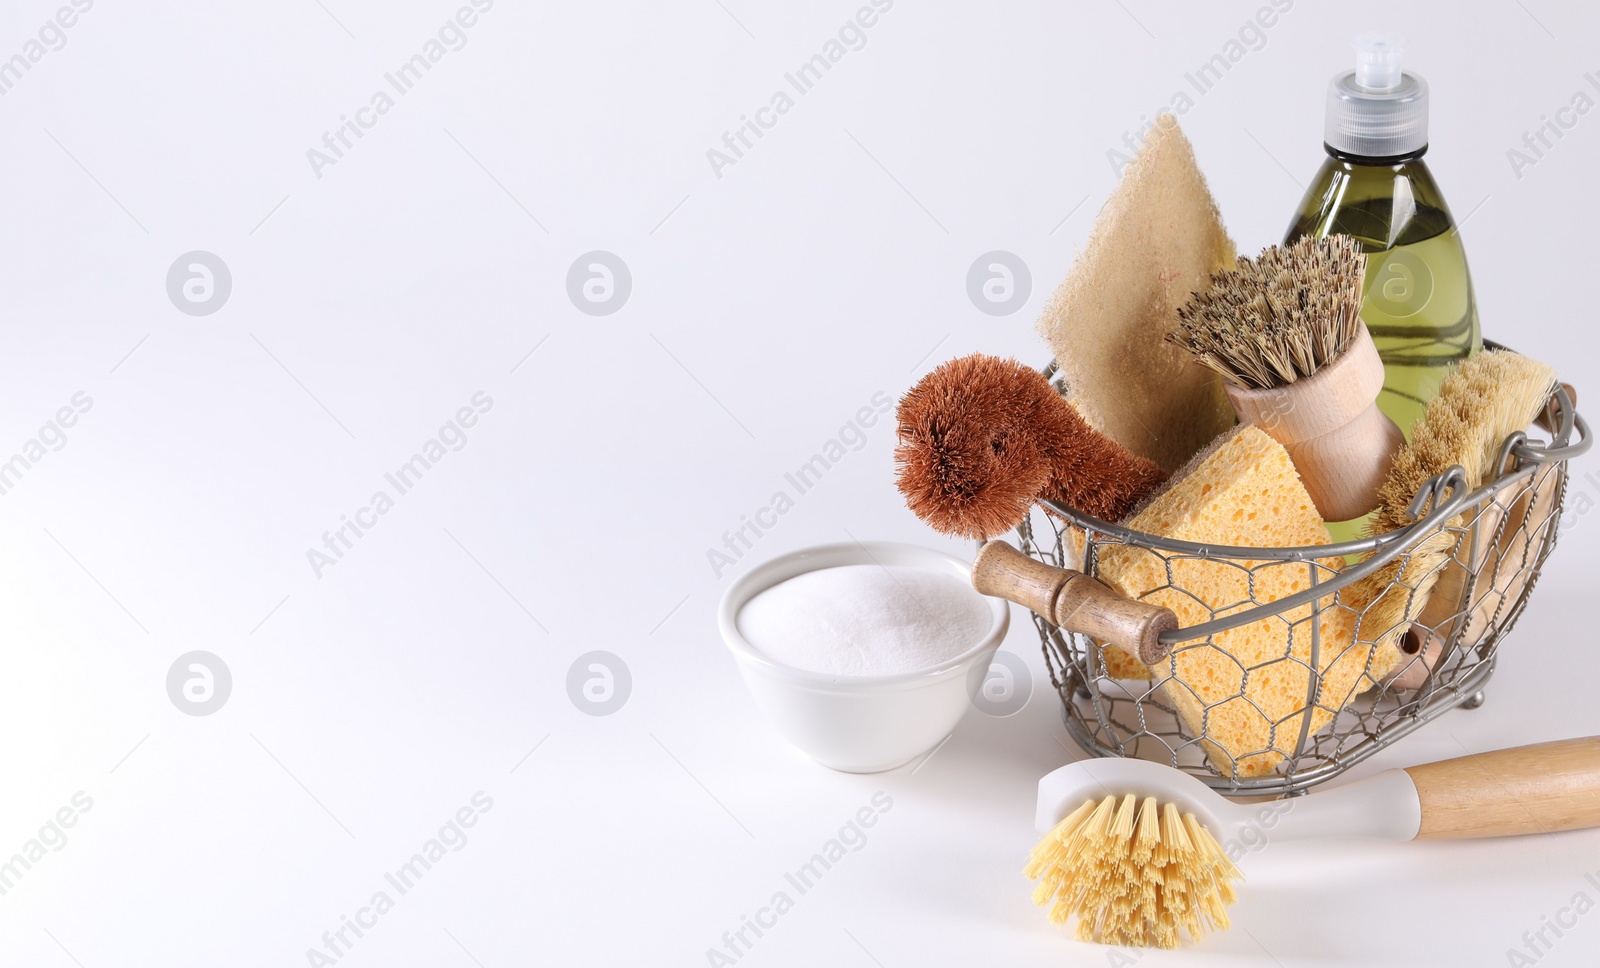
(1483, 401)
(1133, 874)
(1284, 330)
(1279, 317)
(983, 438)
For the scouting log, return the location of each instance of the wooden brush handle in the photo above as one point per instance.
(1479, 583)
(1339, 440)
(1073, 601)
(1526, 790)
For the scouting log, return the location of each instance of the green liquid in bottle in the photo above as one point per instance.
(1417, 302)
(1417, 296)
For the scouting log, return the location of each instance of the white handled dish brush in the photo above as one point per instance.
(1134, 849)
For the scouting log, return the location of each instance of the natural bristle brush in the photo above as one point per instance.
(982, 439)
(1135, 850)
(1284, 332)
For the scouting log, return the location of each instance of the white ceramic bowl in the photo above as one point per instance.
(860, 724)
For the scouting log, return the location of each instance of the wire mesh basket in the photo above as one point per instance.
(1354, 703)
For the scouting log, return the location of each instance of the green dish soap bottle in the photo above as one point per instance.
(1417, 299)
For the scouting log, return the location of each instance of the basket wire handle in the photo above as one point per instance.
(1560, 418)
(1438, 488)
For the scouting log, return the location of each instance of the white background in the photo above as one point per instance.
(768, 305)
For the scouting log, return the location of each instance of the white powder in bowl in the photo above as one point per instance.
(866, 620)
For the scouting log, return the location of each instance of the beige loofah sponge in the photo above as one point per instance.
(1156, 242)
(1244, 689)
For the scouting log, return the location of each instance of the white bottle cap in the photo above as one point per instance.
(1377, 110)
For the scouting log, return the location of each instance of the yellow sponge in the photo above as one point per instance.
(1245, 689)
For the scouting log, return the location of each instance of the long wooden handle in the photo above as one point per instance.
(1074, 601)
(1526, 790)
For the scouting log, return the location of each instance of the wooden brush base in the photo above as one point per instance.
(1339, 440)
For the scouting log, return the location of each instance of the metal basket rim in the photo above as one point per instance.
(1444, 496)
(1530, 456)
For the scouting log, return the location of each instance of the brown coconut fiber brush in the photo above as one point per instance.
(1284, 331)
(982, 439)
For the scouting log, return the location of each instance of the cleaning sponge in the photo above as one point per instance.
(1245, 690)
(1155, 243)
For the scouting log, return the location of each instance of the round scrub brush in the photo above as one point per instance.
(1284, 331)
(983, 438)
(1138, 851)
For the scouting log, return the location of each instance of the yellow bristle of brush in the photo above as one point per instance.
(1482, 402)
(1133, 874)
